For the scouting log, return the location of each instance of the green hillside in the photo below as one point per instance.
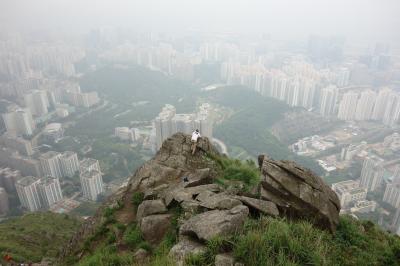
(35, 236)
(249, 127)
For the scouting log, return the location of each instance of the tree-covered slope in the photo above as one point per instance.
(249, 128)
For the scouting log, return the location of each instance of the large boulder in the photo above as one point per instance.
(220, 201)
(299, 193)
(149, 207)
(154, 227)
(209, 224)
(224, 260)
(185, 247)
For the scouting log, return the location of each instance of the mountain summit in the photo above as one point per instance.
(184, 209)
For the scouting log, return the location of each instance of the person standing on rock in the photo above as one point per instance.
(195, 137)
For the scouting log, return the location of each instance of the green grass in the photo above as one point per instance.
(107, 256)
(235, 170)
(270, 241)
(33, 236)
(137, 198)
(133, 236)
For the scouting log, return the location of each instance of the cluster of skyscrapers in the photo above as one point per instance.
(18, 60)
(383, 106)
(168, 122)
(41, 193)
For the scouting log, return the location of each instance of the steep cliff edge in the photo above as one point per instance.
(205, 209)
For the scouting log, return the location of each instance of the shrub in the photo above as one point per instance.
(137, 198)
(133, 236)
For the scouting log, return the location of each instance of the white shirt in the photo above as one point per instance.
(195, 136)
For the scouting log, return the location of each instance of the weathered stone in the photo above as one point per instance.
(190, 206)
(220, 201)
(198, 189)
(299, 193)
(184, 248)
(149, 207)
(180, 193)
(224, 260)
(199, 177)
(141, 256)
(154, 227)
(265, 207)
(203, 196)
(213, 223)
(151, 194)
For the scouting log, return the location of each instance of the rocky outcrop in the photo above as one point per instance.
(214, 223)
(174, 161)
(177, 180)
(299, 193)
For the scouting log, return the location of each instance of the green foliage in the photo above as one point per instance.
(278, 242)
(34, 236)
(120, 226)
(196, 260)
(363, 243)
(106, 257)
(236, 170)
(108, 212)
(250, 126)
(270, 241)
(137, 198)
(133, 236)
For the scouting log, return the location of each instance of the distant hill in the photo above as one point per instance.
(249, 128)
(35, 236)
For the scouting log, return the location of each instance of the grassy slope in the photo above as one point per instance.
(34, 236)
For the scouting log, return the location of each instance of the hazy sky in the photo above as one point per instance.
(376, 19)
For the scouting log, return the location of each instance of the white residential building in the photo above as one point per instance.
(125, 133)
(168, 122)
(89, 164)
(19, 122)
(69, 163)
(392, 110)
(37, 102)
(328, 100)
(28, 193)
(51, 164)
(392, 194)
(380, 103)
(365, 105)
(348, 106)
(371, 173)
(50, 191)
(349, 191)
(92, 184)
